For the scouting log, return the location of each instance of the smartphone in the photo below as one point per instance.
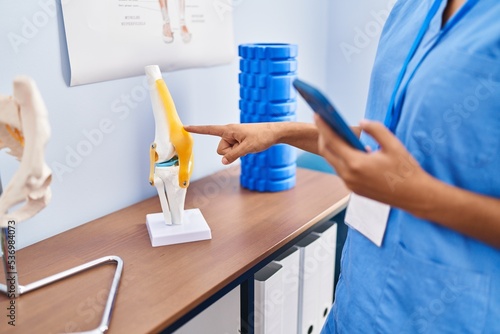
(320, 104)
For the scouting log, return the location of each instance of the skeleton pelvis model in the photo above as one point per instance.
(171, 154)
(25, 130)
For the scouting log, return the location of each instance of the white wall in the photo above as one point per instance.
(354, 29)
(114, 172)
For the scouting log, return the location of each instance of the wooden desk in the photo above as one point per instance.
(161, 285)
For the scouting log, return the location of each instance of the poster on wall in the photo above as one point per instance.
(115, 39)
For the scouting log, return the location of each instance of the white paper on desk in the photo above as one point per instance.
(115, 39)
(368, 217)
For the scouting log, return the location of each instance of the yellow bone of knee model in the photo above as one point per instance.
(180, 138)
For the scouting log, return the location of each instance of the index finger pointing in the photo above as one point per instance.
(213, 130)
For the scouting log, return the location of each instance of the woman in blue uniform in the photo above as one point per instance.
(434, 135)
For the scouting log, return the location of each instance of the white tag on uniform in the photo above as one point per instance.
(368, 217)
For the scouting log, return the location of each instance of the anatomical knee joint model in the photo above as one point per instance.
(171, 154)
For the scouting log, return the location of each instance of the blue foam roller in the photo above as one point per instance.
(273, 81)
(280, 155)
(280, 88)
(281, 185)
(260, 185)
(257, 94)
(267, 95)
(267, 185)
(250, 183)
(244, 181)
(270, 173)
(274, 89)
(273, 51)
(274, 109)
(244, 65)
(251, 159)
(278, 67)
(246, 51)
(269, 118)
(279, 51)
(261, 80)
(248, 107)
(246, 169)
(273, 186)
(244, 117)
(269, 67)
(261, 159)
(281, 109)
(249, 80)
(246, 80)
(256, 118)
(254, 66)
(242, 105)
(245, 93)
(278, 173)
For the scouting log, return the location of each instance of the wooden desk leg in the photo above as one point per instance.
(247, 306)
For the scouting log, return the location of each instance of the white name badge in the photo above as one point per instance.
(368, 217)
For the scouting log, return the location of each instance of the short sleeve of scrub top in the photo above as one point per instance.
(426, 278)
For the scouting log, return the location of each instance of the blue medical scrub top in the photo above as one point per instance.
(426, 278)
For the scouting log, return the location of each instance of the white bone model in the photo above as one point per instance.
(171, 154)
(25, 130)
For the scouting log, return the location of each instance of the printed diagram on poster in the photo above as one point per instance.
(115, 39)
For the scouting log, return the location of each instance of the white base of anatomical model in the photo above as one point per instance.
(193, 228)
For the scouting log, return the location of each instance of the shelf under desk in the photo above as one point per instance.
(162, 285)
